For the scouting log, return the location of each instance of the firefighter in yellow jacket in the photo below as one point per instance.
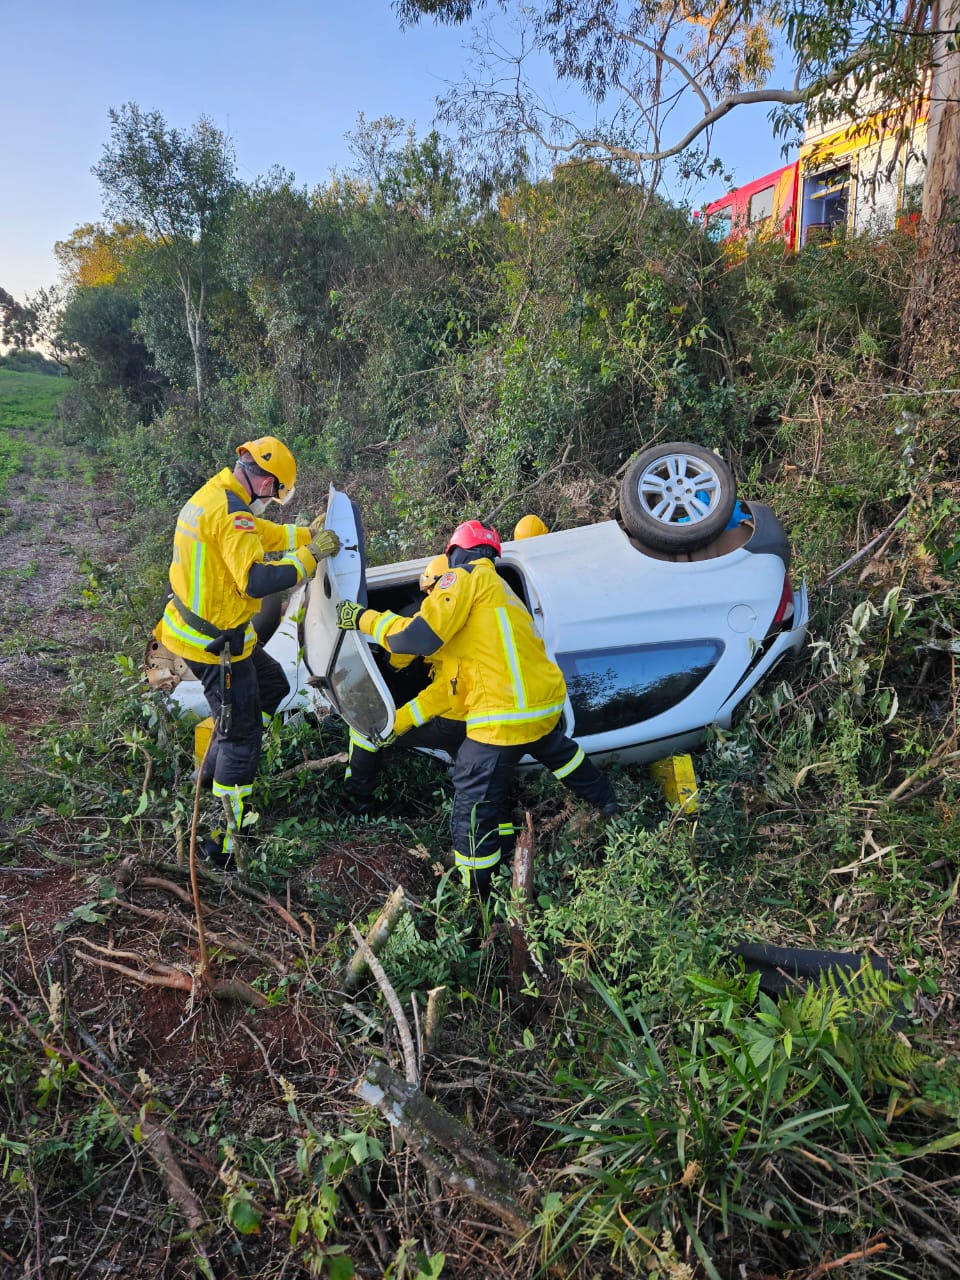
(512, 694)
(219, 577)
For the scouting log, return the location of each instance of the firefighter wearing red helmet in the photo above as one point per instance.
(512, 694)
(219, 577)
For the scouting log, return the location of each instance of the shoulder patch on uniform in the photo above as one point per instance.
(447, 580)
(246, 523)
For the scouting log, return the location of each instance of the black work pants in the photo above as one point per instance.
(258, 687)
(480, 823)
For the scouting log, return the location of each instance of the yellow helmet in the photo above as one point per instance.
(273, 456)
(529, 527)
(434, 571)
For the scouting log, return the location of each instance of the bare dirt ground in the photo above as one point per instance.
(50, 525)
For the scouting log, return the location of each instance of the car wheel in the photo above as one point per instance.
(677, 497)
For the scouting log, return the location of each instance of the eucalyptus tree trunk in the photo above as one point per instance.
(195, 330)
(930, 346)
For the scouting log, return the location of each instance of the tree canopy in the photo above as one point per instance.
(662, 73)
(175, 187)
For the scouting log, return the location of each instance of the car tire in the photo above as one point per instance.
(677, 496)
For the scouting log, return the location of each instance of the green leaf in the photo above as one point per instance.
(946, 1143)
(339, 1267)
(300, 1224)
(245, 1216)
(430, 1268)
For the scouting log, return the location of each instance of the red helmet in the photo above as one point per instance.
(474, 533)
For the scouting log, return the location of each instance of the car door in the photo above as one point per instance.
(341, 663)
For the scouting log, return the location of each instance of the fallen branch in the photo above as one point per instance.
(857, 1255)
(266, 900)
(157, 1145)
(158, 974)
(325, 762)
(931, 763)
(158, 882)
(377, 936)
(233, 942)
(446, 1147)
(411, 1067)
(858, 555)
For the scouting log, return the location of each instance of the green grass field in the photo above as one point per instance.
(29, 399)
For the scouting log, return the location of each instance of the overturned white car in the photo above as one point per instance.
(662, 623)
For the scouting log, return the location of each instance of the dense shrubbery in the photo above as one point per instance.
(29, 362)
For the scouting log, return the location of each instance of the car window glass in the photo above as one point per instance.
(612, 688)
(342, 662)
(355, 695)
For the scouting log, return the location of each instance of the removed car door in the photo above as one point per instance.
(341, 663)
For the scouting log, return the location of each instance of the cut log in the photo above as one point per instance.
(447, 1148)
(433, 1020)
(521, 899)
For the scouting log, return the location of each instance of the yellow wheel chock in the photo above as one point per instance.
(677, 781)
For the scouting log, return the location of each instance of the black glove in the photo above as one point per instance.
(349, 614)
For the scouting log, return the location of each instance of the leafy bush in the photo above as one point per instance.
(30, 362)
(746, 1126)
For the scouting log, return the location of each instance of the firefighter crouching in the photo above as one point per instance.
(512, 694)
(218, 578)
(433, 718)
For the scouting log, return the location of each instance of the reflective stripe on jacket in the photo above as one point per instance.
(217, 541)
(512, 693)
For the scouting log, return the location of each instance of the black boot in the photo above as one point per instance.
(212, 851)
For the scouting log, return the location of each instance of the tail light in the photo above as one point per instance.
(784, 612)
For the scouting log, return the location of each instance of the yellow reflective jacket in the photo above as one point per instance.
(441, 697)
(217, 543)
(511, 692)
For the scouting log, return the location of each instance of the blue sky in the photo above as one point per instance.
(285, 79)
